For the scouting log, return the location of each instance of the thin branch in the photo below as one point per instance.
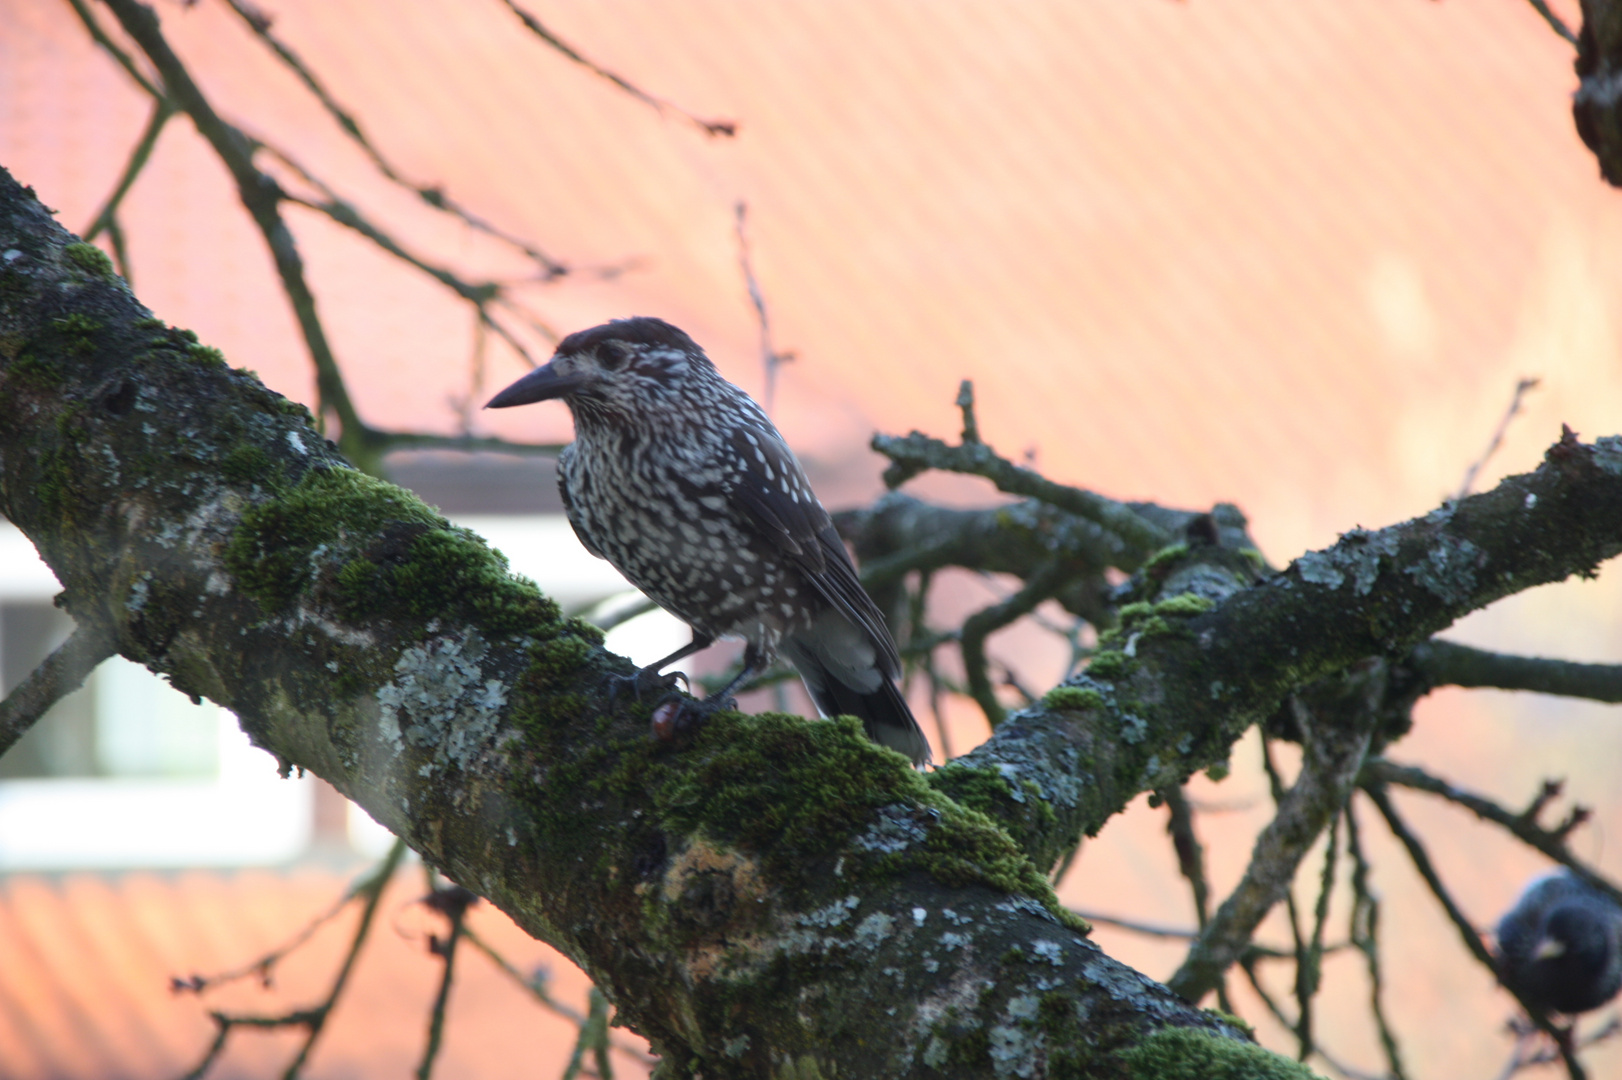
(977, 627)
(261, 195)
(1191, 864)
(1190, 852)
(451, 901)
(965, 404)
(389, 442)
(536, 988)
(435, 197)
(1547, 1055)
(1523, 826)
(1364, 929)
(770, 357)
(262, 967)
(593, 1034)
(314, 1018)
(162, 110)
(57, 676)
(123, 59)
(916, 453)
(1556, 23)
(1467, 933)
(726, 128)
(1309, 968)
(1514, 409)
(1277, 1012)
(1336, 727)
(1449, 663)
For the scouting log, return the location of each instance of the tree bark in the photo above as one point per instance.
(766, 896)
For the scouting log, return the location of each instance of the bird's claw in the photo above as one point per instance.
(640, 680)
(678, 715)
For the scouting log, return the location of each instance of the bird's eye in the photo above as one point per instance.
(614, 355)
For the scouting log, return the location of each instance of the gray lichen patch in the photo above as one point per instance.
(441, 699)
(1608, 454)
(1449, 569)
(1357, 556)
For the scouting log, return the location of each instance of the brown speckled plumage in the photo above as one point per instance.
(683, 483)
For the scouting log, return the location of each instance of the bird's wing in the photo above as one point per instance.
(774, 498)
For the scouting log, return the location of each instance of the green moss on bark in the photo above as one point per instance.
(90, 260)
(1174, 1053)
(372, 549)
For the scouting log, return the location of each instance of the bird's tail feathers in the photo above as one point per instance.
(883, 711)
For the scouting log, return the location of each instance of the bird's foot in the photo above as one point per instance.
(679, 715)
(641, 682)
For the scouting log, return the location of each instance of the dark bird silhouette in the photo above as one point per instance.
(680, 480)
(1560, 946)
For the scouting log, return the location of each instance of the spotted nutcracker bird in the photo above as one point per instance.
(1560, 946)
(680, 480)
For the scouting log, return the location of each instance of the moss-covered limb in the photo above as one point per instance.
(764, 890)
(1337, 722)
(61, 673)
(1449, 663)
(1177, 690)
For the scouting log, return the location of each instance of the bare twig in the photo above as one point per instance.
(1364, 929)
(1449, 663)
(536, 988)
(1514, 409)
(965, 403)
(1467, 933)
(1548, 1055)
(915, 453)
(1523, 826)
(593, 1037)
(726, 128)
(432, 195)
(1336, 725)
(312, 1019)
(261, 196)
(977, 627)
(264, 965)
(1309, 967)
(124, 60)
(770, 358)
(1556, 23)
(451, 901)
(106, 219)
(57, 676)
(1248, 965)
(1190, 852)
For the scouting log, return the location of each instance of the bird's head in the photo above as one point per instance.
(625, 368)
(1578, 937)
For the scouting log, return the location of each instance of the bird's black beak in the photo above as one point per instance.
(542, 384)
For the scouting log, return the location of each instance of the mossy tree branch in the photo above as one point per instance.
(764, 894)
(1176, 684)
